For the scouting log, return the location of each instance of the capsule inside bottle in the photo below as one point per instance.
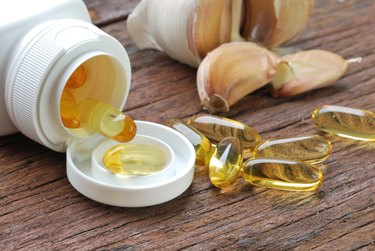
(77, 79)
(135, 159)
(346, 122)
(202, 145)
(225, 164)
(313, 149)
(68, 110)
(92, 115)
(217, 128)
(281, 174)
(106, 120)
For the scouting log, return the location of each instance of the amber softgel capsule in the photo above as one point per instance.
(77, 79)
(106, 120)
(202, 145)
(217, 128)
(282, 174)
(313, 149)
(346, 122)
(135, 159)
(68, 110)
(92, 114)
(225, 164)
(68, 104)
(97, 116)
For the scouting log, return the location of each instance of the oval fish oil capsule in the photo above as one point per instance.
(217, 128)
(77, 79)
(225, 164)
(202, 145)
(133, 159)
(281, 174)
(106, 120)
(312, 149)
(68, 110)
(346, 122)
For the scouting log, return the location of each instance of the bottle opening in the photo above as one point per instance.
(97, 83)
(47, 57)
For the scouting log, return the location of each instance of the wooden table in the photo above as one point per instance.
(40, 210)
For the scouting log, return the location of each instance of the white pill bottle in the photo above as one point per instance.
(42, 43)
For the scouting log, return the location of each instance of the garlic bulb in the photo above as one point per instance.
(231, 72)
(188, 29)
(307, 70)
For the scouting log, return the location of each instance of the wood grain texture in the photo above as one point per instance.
(40, 210)
(109, 11)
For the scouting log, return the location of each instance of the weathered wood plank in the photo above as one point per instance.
(109, 11)
(39, 209)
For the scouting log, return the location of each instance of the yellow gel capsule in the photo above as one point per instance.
(346, 122)
(225, 164)
(129, 159)
(68, 110)
(216, 128)
(202, 145)
(313, 149)
(281, 174)
(106, 120)
(77, 79)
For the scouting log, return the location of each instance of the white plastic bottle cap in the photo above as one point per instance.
(151, 190)
(99, 172)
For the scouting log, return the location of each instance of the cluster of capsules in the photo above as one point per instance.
(93, 115)
(228, 147)
(231, 149)
(100, 117)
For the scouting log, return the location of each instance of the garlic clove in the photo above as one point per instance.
(275, 22)
(237, 19)
(231, 72)
(292, 17)
(260, 19)
(284, 74)
(307, 70)
(212, 25)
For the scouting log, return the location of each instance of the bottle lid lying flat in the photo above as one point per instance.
(88, 176)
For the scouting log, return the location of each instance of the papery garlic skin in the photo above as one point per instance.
(232, 71)
(165, 25)
(184, 29)
(307, 70)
